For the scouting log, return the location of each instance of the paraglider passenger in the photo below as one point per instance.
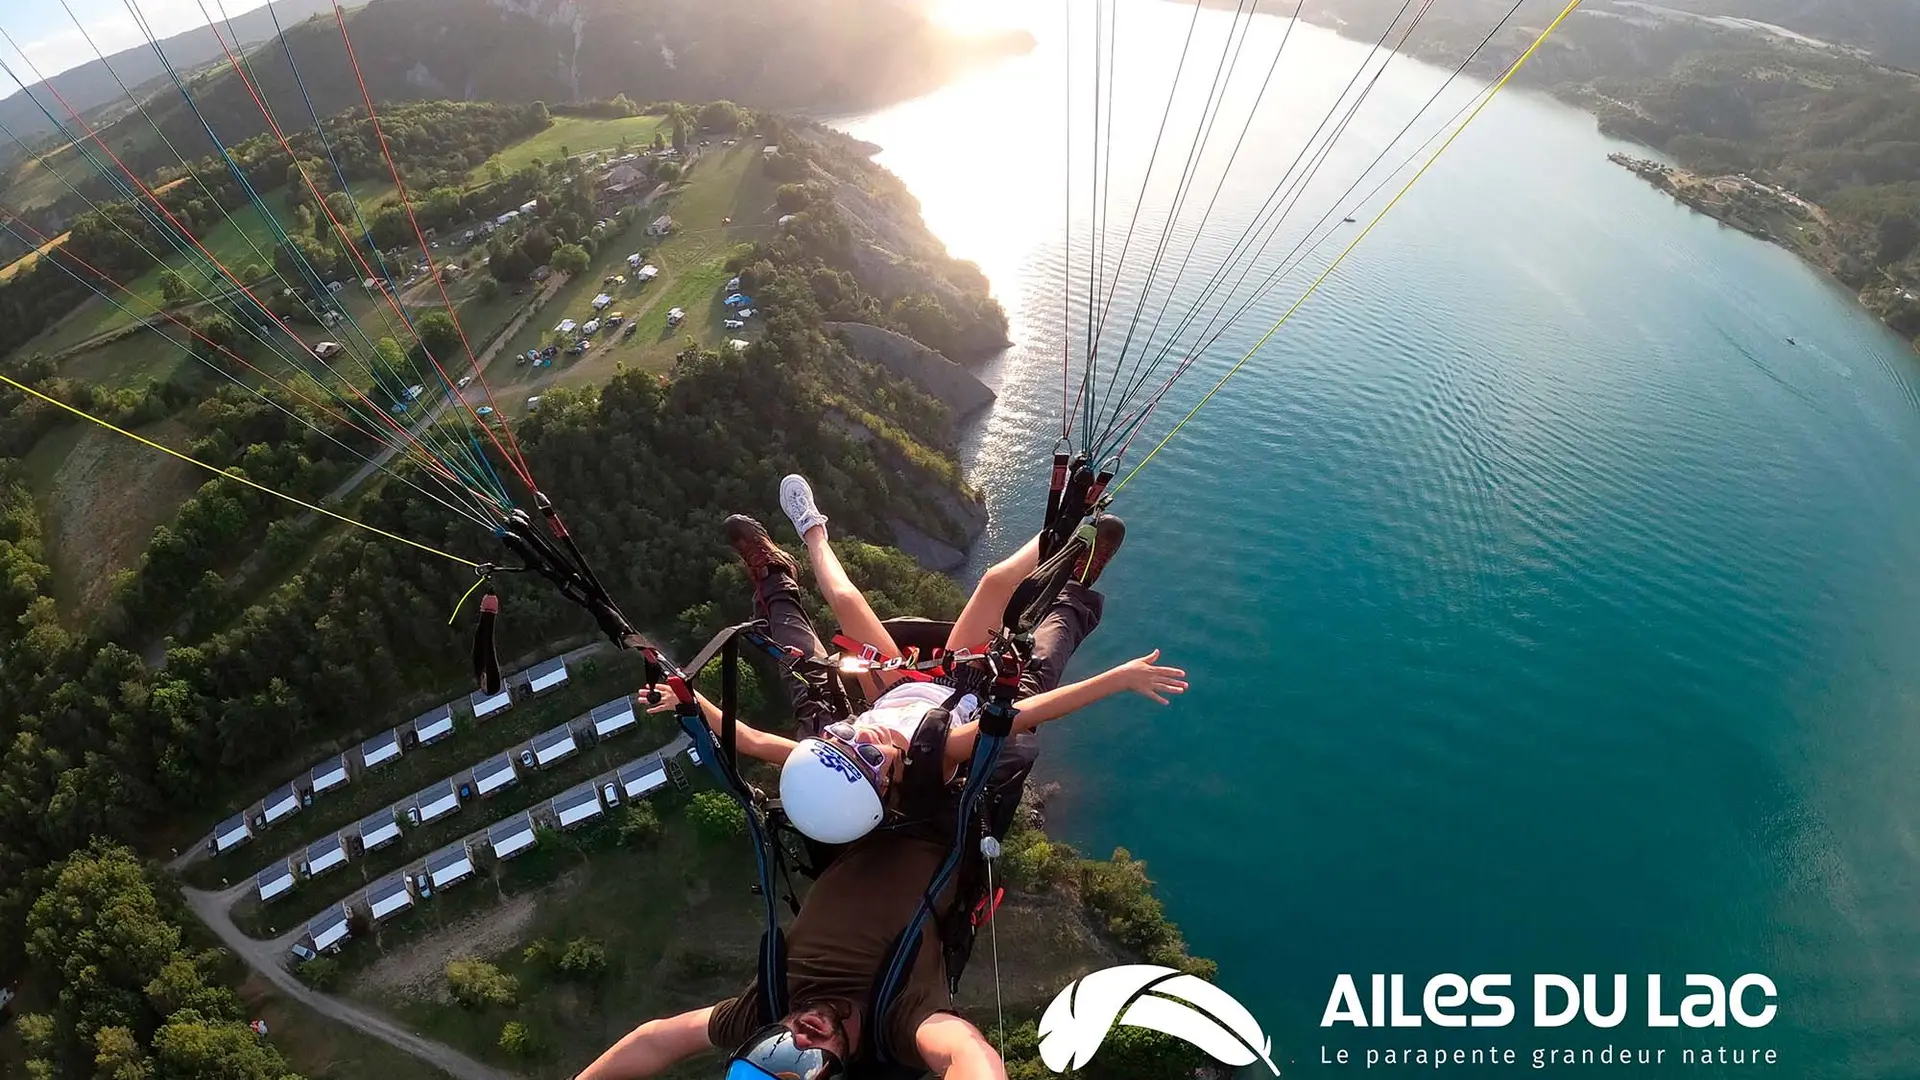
(868, 894)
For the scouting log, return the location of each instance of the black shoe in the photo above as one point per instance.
(1109, 532)
(748, 538)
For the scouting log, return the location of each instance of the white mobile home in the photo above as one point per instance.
(547, 676)
(329, 774)
(449, 865)
(282, 803)
(329, 928)
(434, 802)
(324, 855)
(389, 897)
(380, 749)
(552, 746)
(378, 829)
(577, 806)
(615, 715)
(275, 879)
(493, 774)
(637, 778)
(512, 836)
(485, 705)
(231, 833)
(433, 726)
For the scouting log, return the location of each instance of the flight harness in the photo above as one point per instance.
(1075, 494)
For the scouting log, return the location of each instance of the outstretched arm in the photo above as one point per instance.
(652, 1048)
(1142, 676)
(748, 740)
(955, 1050)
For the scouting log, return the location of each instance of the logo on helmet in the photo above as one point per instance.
(838, 762)
(1158, 998)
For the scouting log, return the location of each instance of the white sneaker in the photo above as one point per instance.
(796, 498)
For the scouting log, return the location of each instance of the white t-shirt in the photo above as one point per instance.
(902, 708)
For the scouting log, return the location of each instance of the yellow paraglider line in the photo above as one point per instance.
(1335, 265)
(22, 387)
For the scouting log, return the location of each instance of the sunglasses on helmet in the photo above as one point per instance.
(770, 1054)
(868, 754)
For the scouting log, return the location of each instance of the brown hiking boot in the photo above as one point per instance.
(1108, 534)
(748, 538)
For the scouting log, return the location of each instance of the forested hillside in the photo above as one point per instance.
(97, 83)
(1821, 123)
(762, 53)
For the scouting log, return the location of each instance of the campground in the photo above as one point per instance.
(725, 201)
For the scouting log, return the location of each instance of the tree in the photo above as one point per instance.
(191, 1048)
(720, 116)
(476, 984)
(679, 132)
(439, 334)
(516, 1040)
(569, 259)
(118, 1055)
(659, 141)
(716, 817)
(791, 198)
(488, 290)
(638, 825)
(173, 287)
(584, 959)
(666, 171)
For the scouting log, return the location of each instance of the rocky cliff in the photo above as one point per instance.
(949, 383)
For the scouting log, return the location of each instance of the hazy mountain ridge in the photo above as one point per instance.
(91, 85)
(763, 53)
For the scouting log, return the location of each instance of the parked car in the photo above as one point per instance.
(550, 351)
(484, 410)
(327, 350)
(746, 313)
(632, 329)
(466, 791)
(464, 380)
(302, 951)
(423, 885)
(576, 348)
(611, 794)
(413, 815)
(306, 798)
(734, 324)
(533, 402)
(526, 758)
(616, 319)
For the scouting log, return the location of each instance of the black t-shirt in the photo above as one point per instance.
(845, 931)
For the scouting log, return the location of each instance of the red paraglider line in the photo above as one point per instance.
(516, 459)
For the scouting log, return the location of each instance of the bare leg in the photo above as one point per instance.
(849, 606)
(988, 605)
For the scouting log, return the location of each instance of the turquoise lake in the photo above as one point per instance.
(1547, 608)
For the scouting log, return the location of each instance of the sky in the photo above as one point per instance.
(46, 33)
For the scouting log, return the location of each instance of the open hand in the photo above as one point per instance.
(1144, 677)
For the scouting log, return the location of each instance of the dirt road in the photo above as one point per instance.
(268, 958)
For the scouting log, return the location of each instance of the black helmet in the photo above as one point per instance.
(770, 1054)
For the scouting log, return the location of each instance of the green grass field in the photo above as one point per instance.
(575, 135)
(724, 184)
(238, 239)
(101, 495)
(323, 1049)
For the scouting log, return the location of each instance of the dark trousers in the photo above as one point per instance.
(1075, 613)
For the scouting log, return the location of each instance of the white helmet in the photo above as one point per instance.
(827, 794)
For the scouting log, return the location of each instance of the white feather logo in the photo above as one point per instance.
(1149, 996)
